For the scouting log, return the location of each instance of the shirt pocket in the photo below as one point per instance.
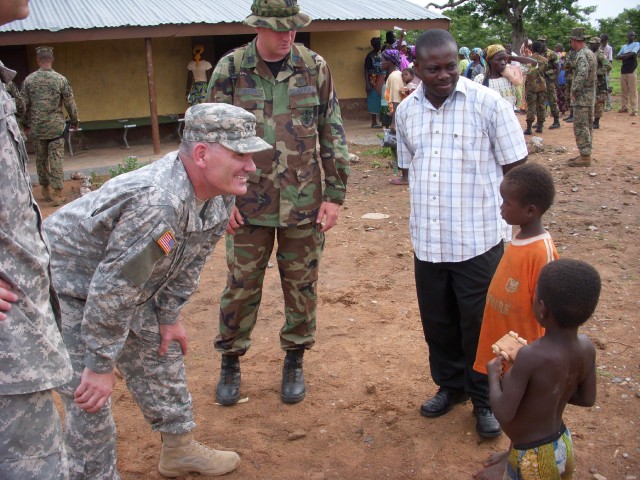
(146, 253)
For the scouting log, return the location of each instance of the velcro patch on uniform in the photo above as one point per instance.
(302, 90)
(247, 91)
(167, 241)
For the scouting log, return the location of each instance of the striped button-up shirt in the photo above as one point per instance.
(455, 156)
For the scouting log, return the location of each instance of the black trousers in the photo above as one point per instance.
(451, 298)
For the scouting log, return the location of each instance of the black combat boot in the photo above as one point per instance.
(539, 127)
(528, 130)
(555, 124)
(569, 119)
(228, 388)
(596, 123)
(293, 388)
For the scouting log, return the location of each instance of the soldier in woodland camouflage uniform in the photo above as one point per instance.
(536, 90)
(569, 65)
(604, 67)
(290, 90)
(44, 92)
(33, 359)
(126, 258)
(550, 77)
(583, 97)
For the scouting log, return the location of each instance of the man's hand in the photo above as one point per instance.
(94, 390)
(329, 213)
(235, 221)
(7, 297)
(169, 333)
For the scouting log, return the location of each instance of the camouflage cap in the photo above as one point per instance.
(577, 34)
(595, 40)
(228, 125)
(542, 38)
(278, 15)
(44, 52)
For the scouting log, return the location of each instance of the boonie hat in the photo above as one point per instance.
(278, 15)
(595, 40)
(228, 125)
(44, 52)
(542, 38)
(577, 34)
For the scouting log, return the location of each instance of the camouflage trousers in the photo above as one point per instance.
(157, 384)
(536, 105)
(552, 98)
(583, 128)
(567, 92)
(31, 445)
(248, 251)
(49, 158)
(601, 100)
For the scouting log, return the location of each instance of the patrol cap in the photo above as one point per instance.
(44, 52)
(595, 40)
(577, 34)
(228, 125)
(278, 15)
(542, 38)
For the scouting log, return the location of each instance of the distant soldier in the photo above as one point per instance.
(569, 65)
(604, 67)
(44, 92)
(126, 258)
(536, 90)
(551, 77)
(583, 97)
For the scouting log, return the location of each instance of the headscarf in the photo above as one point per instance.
(464, 51)
(478, 51)
(392, 56)
(493, 49)
(198, 50)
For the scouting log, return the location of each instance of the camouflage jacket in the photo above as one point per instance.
(535, 76)
(44, 93)
(604, 67)
(569, 64)
(294, 111)
(32, 355)
(14, 91)
(552, 65)
(583, 88)
(133, 249)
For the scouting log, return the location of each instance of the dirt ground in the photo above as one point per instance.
(368, 373)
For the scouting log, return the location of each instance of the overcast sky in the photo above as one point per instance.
(606, 8)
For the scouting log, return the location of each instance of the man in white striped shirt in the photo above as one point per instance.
(457, 139)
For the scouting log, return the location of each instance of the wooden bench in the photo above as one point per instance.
(125, 124)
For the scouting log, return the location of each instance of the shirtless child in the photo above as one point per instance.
(557, 369)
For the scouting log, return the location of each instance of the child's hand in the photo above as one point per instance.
(495, 367)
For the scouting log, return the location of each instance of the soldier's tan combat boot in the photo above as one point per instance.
(181, 454)
(58, 198)
(580, 161)
(46, 194)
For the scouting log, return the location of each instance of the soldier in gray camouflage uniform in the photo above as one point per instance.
(290, 90)
(33, 359)
(126, 258)
(44, 92)
(583, 97)
(602, 91)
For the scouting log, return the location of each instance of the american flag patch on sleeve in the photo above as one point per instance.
(167, 241)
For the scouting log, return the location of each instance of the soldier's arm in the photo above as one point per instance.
(333, 142)
(220, 89)
(118, 284)
(580, 75)
(70, 104)
(27, 104)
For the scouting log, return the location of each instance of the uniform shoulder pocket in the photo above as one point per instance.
(147, 252)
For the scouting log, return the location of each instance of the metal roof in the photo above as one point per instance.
(60, 15)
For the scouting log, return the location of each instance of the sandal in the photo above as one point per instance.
(398, 181)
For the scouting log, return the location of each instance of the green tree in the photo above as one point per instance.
(547, 15)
